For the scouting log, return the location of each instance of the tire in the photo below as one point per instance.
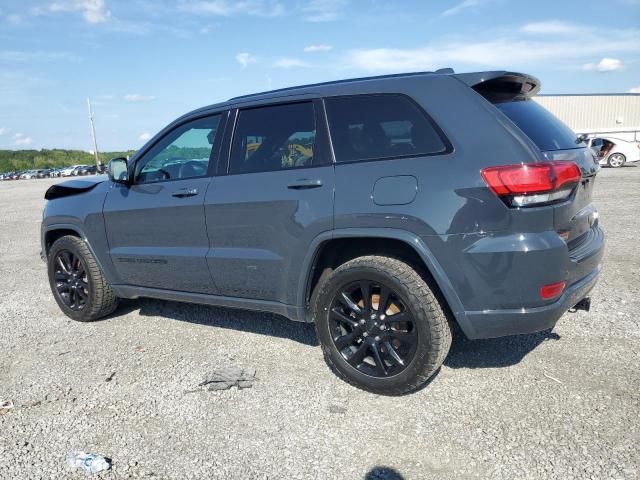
(616, 160)
(84, 296)
(409, 352)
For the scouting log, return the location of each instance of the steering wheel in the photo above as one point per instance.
(192, 168)
(165, 174)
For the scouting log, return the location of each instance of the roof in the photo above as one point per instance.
(471, 79)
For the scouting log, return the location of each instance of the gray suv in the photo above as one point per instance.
(383, 209)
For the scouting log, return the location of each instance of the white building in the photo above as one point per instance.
(617, 114)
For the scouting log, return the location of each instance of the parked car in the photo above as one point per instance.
(383, 210)
(69, 171)
(87, 170)
(44, 173)
(76, 171)
(29, 175)
(614, 152)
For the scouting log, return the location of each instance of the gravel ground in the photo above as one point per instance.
(560, 404)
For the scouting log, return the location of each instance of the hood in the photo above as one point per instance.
(73, 187)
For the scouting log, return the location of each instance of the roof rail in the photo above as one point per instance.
(348, 80)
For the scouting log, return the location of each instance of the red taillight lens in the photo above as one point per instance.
(552, 290)
(534, 179)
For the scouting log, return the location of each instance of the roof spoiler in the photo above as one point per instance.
(501, 86)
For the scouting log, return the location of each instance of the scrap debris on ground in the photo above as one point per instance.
(5, 406)
(227, 377)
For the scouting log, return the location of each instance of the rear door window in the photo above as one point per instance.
(539, 124)
(374, 127)
(271, 138)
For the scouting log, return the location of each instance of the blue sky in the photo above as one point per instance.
(145, 62)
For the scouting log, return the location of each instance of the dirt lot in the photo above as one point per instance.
(561, 404)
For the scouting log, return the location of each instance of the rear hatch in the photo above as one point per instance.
(511, 93)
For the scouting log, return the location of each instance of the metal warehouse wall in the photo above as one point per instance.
(595, 113)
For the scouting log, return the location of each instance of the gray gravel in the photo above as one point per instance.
(561, 404)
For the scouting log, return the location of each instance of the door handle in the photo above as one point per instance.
(185, 192)
(305, 184)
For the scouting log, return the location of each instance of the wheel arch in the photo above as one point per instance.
(54, 231)
(403, 244)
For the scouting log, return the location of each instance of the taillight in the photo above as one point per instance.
(534, 183)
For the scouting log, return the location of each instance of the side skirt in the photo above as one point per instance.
(289, 311)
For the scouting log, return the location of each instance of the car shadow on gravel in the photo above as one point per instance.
(383, 473)
(494, 352)
(243, 320)
(464, 353)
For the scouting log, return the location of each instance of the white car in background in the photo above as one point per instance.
(69, 171)
(615, 152)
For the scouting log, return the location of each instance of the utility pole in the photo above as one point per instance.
(93, 133)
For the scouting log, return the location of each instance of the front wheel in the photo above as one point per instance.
(616, 160)
(380, 326)
(77, 284)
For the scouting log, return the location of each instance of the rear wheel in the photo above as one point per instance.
(76, 281)
(380, 326)
(616, 160)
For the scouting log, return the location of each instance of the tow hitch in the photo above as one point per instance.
(584, 304)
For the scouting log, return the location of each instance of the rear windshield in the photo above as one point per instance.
(540, 125)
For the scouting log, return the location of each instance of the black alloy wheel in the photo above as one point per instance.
(71, 280)
(372, 328)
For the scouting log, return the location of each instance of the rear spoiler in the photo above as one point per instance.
(501, 86)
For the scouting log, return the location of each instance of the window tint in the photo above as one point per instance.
(183, 153)
(366, 127)
(273, 138)
(540, 125)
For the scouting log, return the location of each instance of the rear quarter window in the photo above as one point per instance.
(539, 124)
(375, 127)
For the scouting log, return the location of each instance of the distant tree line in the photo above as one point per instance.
(14, 160)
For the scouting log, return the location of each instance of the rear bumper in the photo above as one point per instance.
(498, 278)
(500, 323)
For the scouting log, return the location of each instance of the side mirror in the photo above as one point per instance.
(118, 170)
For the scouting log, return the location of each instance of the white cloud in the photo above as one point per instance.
(605, 65)
(466, 4)
(497, 53)
(93, 11)
(137, 97)
(323, 10)
(3, 130)
(21, 139)
(318, 48)
(145, 136)
(550, 27)
(245, 58)
(635, 89)
(226, 8)
(291, 63)
(15, 18)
